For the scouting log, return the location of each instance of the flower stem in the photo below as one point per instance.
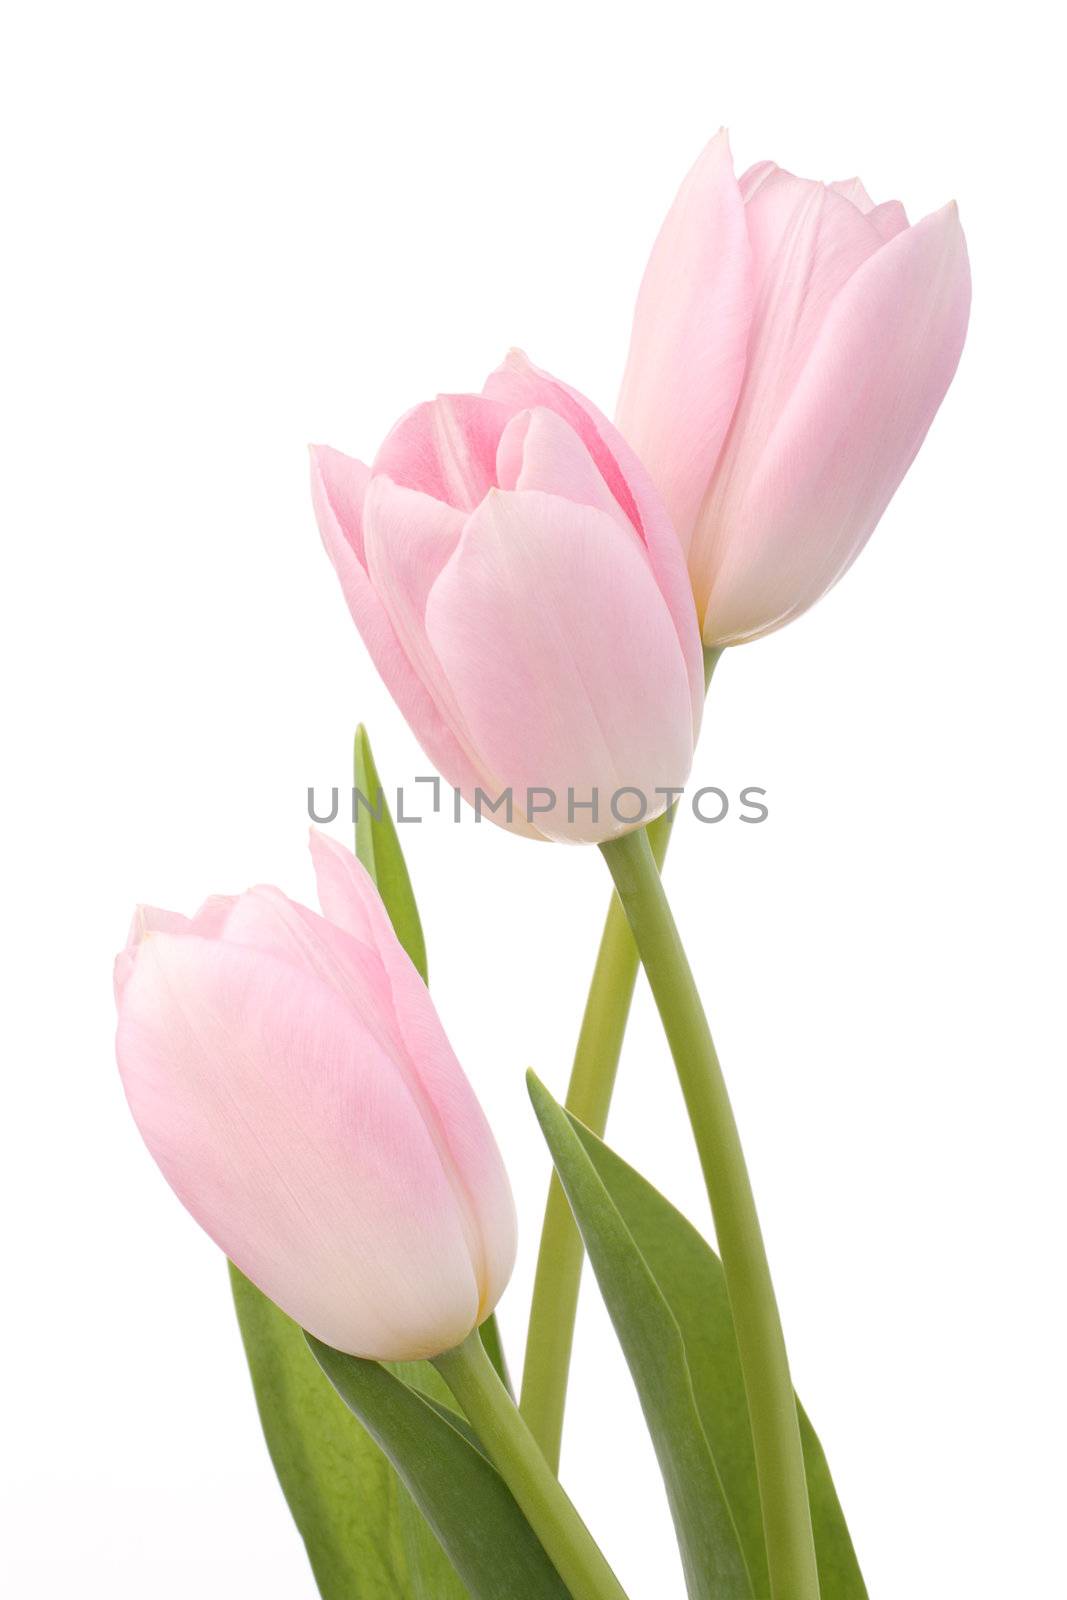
(554, 1305)
(771, 1401)
(514, 1452)
(550, 1336)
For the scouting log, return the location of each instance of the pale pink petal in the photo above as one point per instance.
(409, 536)
(212, 916)
(538, 450)
(350, 900)
(294, 1142)
(872, 383)
(208, 921)
(852, 189)
(347, 894)
(690, 333)
(807, 242)
(750, 181)
(889, 218)
(338, 489)
(446, 448)
(334, 478)
(265, 919)
(554, 635)
(519, 384)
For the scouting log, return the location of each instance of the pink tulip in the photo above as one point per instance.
(289, 1074)
(791, 345)
(519, 586)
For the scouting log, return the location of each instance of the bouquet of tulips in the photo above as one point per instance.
(546, 594)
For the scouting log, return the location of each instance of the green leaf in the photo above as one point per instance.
(652, 1343)
(364, 1538)
(690, 1278)
(378, 847)
(459, 1492)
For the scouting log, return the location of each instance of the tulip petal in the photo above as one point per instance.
(351, 902)
(265, 919)
(208, 921)
(538, 450)
(558, 643)
(446, 448)
(870, 388)
(518, 383)
(806, 244)
(294, 1142)
(750, 180)
(889, 218)
(409, 536)
(852, 189)
(339, 487)
(371, 973)
(690, 332)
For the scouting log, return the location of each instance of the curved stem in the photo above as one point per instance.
(768, 1387)
(514, 1452)
(550, 1335)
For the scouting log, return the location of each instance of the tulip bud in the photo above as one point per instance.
(791, 345)
(289, 1074)
(519, 586)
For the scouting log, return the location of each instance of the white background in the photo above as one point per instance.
(234, 228)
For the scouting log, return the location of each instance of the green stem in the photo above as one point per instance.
(768, 1387)
(554, 1306)
(514, 1452)
(550, 1336)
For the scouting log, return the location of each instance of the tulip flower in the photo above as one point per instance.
(791, 345)
(290, 1076)
(518, 583)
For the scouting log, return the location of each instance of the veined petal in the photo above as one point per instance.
(446, 448)
(878, 370)
(538, 450)
(350, 900)
(333, 490)
(553, 633)
(208, 921)
(519, 384)
(410, 537)
(852, 189)
(750, 180)
(295, 1143)
(690, 334)
(266, 919)
(807, 242)
(889, 218)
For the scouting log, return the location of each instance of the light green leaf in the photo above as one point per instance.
(652, 1343)
(690, 1278)
(378, 847)
(459, 1492)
